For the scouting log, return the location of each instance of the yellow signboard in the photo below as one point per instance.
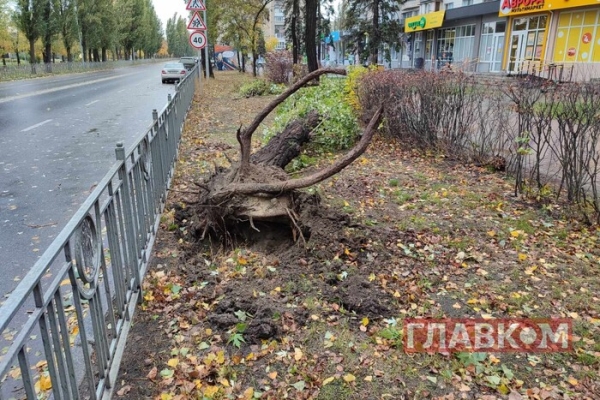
(424, 22)
(519, 7)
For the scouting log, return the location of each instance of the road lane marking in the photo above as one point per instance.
(36, 125)
(75, 85)
(89, 104)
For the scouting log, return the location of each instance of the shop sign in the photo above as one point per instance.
(518, 7)
(425, 21)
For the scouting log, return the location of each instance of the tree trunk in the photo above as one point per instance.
(69, 55)
(32, 55)
(310, 34)
(294, 33)
(287, 144)
(376, 39)
(104, 58)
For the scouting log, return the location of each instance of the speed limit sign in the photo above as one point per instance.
(198, 39)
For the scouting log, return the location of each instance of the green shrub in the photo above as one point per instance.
(338, 129)
(260, 87)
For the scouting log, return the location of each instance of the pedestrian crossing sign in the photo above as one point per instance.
(196, 23)
(195, 5)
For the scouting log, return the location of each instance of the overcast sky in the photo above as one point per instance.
(166, 8)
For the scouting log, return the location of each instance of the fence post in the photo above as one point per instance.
(129, 217)
(154, 115)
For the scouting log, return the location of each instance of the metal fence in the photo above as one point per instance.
(63, 329)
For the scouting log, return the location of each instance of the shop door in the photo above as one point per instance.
(517, 51)
(497, 52)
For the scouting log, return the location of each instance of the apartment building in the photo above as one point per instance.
(275, 26)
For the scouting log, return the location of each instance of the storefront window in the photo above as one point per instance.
(491, 47)
(455, 44)
(577, 37)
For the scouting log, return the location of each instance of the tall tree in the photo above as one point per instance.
(69, 28)
(246, 17)
(50, 27)
(310, 33)
(27, 17)
(372, 24)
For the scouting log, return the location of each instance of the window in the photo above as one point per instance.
(577, 37)
(467, 2)
(455, 44)
(449, 6)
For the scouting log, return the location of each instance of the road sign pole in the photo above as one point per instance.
(206, 47)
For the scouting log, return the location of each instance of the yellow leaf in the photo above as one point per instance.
(210, 391)
(486, 316)
(472, 301)
(396, 294)
(346, 204)
(368, 378)
(15, 373)
(349, 378)
(65, 282)
(491, 233)
(208, 331)
(220, 357)
(573, 381)
(273, 375)
(494, 359)
(166, 396)
(277, 289)
(248, 393)
(530, 270)
(298, 354)
(365, 321)
(242, 261)
(173, 362)
(522, 257)
(250, 357)
(372, 277)
(328, 380)
(574, 315)
(224, 382)
(45, 382)
(514, 234)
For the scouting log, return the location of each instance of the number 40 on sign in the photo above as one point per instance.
(198, 39)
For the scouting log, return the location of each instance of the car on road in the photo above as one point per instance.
(189, 62)
(173, 72)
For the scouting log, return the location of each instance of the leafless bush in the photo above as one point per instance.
(576, 146)
(492, 134)
(423, 109)
(540, 132)
(279, 66)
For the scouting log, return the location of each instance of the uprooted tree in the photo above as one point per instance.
(256, 188)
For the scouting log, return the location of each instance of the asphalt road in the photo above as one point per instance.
(57, 140)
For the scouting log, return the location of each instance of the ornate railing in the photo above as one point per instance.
(63, 329)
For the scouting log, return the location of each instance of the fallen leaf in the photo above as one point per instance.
(349, 378)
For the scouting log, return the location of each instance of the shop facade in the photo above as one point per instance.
(471, 38)
(556, 39)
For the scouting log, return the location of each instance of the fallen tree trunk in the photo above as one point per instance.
(287, 145)
(257, 188)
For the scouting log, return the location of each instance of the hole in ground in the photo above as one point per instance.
(273, 236)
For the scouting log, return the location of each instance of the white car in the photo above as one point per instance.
(173, 72)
